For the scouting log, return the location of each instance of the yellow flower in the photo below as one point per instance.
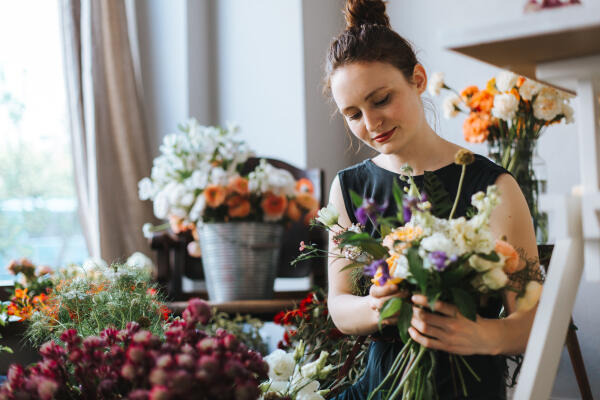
(403, 234)
(491, 86)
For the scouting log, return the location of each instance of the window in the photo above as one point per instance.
(38, 204)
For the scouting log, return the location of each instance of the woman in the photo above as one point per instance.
(376, 83)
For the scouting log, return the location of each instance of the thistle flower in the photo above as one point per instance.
(464, 157)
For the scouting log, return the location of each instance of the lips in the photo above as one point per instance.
(384, 136)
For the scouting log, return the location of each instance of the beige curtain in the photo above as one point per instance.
(111, 148)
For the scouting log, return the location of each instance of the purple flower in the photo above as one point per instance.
(368, 211)
(371, 269)
(438, 258)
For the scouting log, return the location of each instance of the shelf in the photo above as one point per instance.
(522, 44)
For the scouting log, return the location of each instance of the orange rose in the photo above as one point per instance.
(273, 206)
(467, 93)
(239, 207)
(293, 211)
(304, 185)
(307, 201)
(476, 127)
(482, 101)
(238, 185)
(214, 195)
(511, 262)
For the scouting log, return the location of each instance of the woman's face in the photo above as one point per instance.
(380, 106)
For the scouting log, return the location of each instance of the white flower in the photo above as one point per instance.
(145, 189)
(218, 176)
(506, 80)
(281, 365)
(495, 279)
(450, 106)
(187, 199)
(568, 112)
(199, 179)
(439, 242)
(436, 83)
(547, 104)
(175, 192)
(481, 264)
(529, 89)
(533, 291)
(328, 216)
(94, 263)
(505, 106)
(194, 250)
(147, 230)
(399, 268)
(161, 205)
(309, 391)
(178, 212)
(276, 386)
(197, 210)
(140, 260)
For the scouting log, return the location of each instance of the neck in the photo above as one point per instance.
(428, 153)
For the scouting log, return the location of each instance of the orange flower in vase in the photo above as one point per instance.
(307, 201)
(482, 101)
(476, 127)
(214, 195)
(273, 206)
(238, 185)
(304, 185)
(293, 211)
(238, 206)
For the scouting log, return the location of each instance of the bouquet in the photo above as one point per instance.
(133, 363)
(201, 176)
(423, 249)
(293, 377)
(510, 114)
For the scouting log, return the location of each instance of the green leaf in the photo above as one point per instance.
(493, 256)
(353, 265)
(441, 202)
(398, 194)
(415, 266)
(390, 307)
(404, 319)
(465, 303)
(356, 199)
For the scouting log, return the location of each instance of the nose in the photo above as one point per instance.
(373, 121)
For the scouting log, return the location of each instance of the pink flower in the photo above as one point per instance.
(302, 246)
(46, 388)
(159, 393)
(197, 311)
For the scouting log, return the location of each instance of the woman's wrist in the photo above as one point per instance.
(492, 334)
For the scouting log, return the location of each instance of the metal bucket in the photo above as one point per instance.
(240, 259)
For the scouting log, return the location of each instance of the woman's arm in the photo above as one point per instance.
(353, 315)
(454, 333)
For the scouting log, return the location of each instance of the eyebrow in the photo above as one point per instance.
(366, 98)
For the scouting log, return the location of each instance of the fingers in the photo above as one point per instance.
(382, 291)
(439, 306)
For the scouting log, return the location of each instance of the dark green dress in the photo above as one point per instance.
(371, 181)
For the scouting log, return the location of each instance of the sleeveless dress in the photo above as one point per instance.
(371, 181)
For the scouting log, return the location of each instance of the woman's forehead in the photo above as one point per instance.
(353, 82)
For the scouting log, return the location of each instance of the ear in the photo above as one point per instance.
(420, 78)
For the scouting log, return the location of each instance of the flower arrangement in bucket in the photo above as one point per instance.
(201, 183)
(510, 114)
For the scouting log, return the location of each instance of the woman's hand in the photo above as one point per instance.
(378, 295)
(451, 331)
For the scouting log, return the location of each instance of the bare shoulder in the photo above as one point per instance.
(337, 199)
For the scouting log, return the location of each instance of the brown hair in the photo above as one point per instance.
(369, 37)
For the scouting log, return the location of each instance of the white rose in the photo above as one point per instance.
(495, 279)
(436, 83)
(281, 365)
(568, 112)
(533, 291)
(505, 106)
(161, 205)
(506, 80)
(450, 106)
(481, 264)
(328, 216)
(529, 89)
(547, 104)
(145, 189)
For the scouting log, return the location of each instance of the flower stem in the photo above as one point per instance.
(469, 368)
(460, 183)
(392, 372)
(410, 371)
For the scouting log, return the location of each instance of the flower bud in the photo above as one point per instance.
(464, 157)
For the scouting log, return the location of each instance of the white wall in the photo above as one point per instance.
(423, 22)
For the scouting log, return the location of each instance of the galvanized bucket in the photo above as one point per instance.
(240, 259)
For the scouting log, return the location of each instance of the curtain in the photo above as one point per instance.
(110, 145)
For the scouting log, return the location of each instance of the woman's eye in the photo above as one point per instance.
(354, 116)
(382, 101)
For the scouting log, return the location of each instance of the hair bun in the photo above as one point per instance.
(362, 12)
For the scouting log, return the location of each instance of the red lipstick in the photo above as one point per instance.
(384, 136)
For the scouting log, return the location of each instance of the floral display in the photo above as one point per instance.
(199, 177)
(311, 324)
(31, 289)
(292, 376)
(509, 114)
(134, 363)
(423, 249)
(98, 296)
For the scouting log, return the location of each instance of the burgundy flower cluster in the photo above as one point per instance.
(132, 363)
